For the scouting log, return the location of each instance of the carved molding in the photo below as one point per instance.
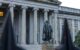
(42, 6)
(69, 16)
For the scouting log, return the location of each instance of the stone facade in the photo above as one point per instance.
(28, 18)
(54, 2)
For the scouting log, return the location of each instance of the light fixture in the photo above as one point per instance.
(1, 13)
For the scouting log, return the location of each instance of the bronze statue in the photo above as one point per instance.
(47, 31)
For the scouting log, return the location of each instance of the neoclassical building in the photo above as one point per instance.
(28, 17)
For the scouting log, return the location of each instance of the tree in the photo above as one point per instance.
(77, 39)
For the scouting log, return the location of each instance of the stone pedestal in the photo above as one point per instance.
(44, 47)
(47, 46)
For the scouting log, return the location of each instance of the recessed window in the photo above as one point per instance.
(1, 13)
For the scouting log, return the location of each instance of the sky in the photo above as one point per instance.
(71, 3)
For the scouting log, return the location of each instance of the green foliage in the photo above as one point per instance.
(77, 39)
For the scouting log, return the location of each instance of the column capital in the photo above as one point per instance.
(11, 5)
(46, 10)
(56, 11)
(24, 7)
(36, 9)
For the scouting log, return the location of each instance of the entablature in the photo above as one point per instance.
(68, 10)
(42, 6)
(69, 16)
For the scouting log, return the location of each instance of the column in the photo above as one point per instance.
(53, 36)
(12, 11)
(45, 14)
(23, 32)
(55, 26)
(0, 4)
(35, 25)
(61, 24)
(79, 25)
(73, 30)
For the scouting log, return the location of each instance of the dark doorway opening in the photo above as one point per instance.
(27, 26)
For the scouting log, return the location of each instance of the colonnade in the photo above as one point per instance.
(35, 11)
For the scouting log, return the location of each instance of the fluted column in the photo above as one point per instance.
(78, 24)
(61, 24)
(35, 25)
(45, 14)
(23, 39)
(53, 36)
(12, 11)
(73, 30)
(55, 26)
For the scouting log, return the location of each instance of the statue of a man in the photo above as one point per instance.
(47, 31)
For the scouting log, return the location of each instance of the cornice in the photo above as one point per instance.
(42, 6)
